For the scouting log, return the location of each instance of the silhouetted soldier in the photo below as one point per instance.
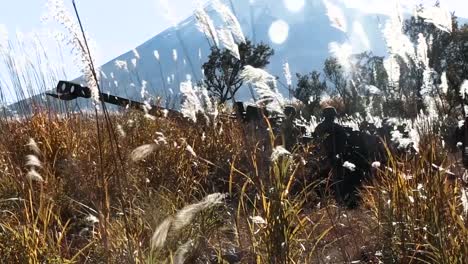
(289, 131)
(461, 136)
(333, 144)
(253, 114)
(367, 127)
(239, 110)
(385, 131)
(332, 134)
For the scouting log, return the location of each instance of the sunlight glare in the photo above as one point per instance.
(294, 5)
(279, 31)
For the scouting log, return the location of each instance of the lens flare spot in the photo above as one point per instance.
(279, 31)
(294, 5)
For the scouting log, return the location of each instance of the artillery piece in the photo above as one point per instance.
(68, 91)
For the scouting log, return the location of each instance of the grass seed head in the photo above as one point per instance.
(33, 175)
(33, 161)
(142, 152)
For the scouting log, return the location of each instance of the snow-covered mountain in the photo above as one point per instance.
(305, 47)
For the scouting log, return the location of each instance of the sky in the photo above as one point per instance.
(118, 26)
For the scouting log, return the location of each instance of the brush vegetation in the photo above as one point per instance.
(225, 199)
(128, 187)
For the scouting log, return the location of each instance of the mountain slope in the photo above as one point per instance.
(305, 48)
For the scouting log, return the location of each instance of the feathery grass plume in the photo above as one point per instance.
(156, 55)
(230, 21)
(397, 42)
(160, 234)
(206, 25)
(421, 50)
(136, 54)
(58, 12)
(428, 89)
(227, 41)
(444, 83)
(27, 69)
(278, 152)
(350, 166)
(428, 75)
(121, 131)
(392, 67)
(143, 91)
(287, 74)
(336, 16)
(182, 218)
(191, 104)
(121, 65)
(308, 125)
(265, 85)
(142, 152)
(146, 108)
(149, 116)
(372, 90)
(464, 200)
(33, 161)
(174, 54)
(258, 220)
(103, 74)
(32, 145)
(464, 89)
(191, 151)
(161, 139)
(343, 53)
(92, 219)
(256, 75)
(181, 252)
(438, 16)
(3, 36)
(196, 100)
(186, 214)
(33, 175)
(209, 104)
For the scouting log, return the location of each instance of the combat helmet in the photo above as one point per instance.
(329, 113)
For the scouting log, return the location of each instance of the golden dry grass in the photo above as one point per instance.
(97, 205)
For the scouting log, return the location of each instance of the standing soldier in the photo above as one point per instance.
(333, 143)
(332, 134)
(461, 136)
(289, 132)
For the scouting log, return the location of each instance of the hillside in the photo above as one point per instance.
(305, 48)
